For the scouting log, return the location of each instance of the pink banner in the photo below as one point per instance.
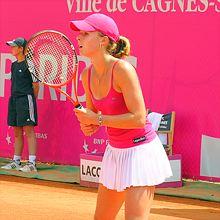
(175, 47)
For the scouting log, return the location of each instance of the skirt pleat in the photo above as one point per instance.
(142, 165)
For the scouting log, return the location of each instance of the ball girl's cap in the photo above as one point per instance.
(97, 22)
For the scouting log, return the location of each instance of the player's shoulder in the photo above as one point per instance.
(124, 69)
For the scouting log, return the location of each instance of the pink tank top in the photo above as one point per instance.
(114, 104)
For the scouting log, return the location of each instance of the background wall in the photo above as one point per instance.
(176, 49)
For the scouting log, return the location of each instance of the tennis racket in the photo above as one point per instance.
(52, 59)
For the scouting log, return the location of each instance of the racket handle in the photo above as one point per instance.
(79, 106)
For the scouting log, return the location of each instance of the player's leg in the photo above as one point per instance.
(28, 119)
(19, 142)
(32, 146)
(138, 201)
(108, 203)
(31, 139)
(18, 147)
(18, 135)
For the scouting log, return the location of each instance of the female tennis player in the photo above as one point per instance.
(134, 161)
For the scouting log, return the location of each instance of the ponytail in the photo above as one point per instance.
(120, 49)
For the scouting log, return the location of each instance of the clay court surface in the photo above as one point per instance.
(23, 198)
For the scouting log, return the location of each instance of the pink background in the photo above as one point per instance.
(177, 61)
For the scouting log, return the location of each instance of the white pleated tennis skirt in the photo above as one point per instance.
(142, 165)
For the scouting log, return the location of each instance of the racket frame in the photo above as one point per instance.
(74, 77)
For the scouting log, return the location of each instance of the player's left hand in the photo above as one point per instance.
(86, 116)
(89, 130)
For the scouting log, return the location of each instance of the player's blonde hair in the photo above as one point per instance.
(120, 49)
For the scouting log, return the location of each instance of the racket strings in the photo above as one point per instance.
(51, 58)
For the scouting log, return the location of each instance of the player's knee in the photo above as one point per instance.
(18, 133)
(29, 132)
(137, 215)
(137, 212)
